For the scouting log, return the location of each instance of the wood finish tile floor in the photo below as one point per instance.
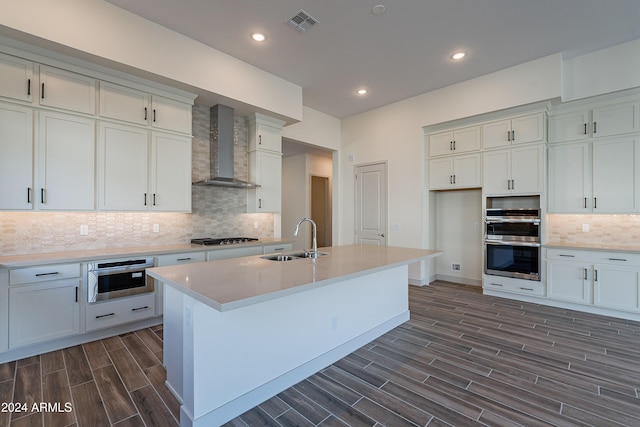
(463, 359)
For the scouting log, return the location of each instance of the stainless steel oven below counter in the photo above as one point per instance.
(118, 278)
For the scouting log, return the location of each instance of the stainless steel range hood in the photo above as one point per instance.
(221, 150)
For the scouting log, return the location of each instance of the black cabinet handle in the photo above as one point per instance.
(585, 128)
(53, 273)
(259, 203)
(595, 127)
(76, 294)
(28, 194)
(145, 114)
(595, 203)
(154, 115)
(145, 199)
(585, 274)
(140, 308)
(154, 199)
(183, 259)
(42, 92)
(28, 87)
(568, 256)
(105, 315)
(42, 196)
(513, 135)
(259, 139)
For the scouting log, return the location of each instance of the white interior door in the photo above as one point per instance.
(371, 204)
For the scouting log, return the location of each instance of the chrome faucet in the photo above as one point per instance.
(314, 251)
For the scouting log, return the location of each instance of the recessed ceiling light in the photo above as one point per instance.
(378, 9)
(361, 91)
(458, 55)
(259, 37)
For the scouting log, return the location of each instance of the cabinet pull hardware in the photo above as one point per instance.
(259, 139)
(450, 145)
(183, 259)
(154, 199)
(76, 294)
(454, 145)
(513, 184)
(105, 315)
(595, 275)
(595, 127)
(42, 196)
(585, 273)
(585, 203)
(154, 115)
(259, 203)
(568, 256)
(145, 114)
(28, 87)
(496, 284)
(617, 259)
(381, 235)
(513, 135)
(595, 203)
(508, 135)
(53, 273)
(527, 289)
(585, 128)
(454, 179)
(140, 308)
(28, 194)
(278, 249)
(145, 199)
(42, 92)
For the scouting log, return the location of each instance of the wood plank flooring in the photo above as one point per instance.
(463, 359)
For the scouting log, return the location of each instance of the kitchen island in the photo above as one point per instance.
(239, 331)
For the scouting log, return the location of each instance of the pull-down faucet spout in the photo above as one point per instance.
(314, 251)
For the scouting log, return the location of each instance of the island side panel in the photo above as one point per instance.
(173, 313)
(236, 359)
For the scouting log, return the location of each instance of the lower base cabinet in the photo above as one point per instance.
(42, 312)
(119, 311)
(608, 280)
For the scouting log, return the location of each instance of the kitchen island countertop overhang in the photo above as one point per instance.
(239, 331)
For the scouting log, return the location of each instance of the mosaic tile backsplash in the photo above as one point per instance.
(623, 230)
(216, 212)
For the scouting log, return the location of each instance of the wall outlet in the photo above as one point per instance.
(455, 266)
(255, 224)
(585, 228)
(84, 229)
(156, 228)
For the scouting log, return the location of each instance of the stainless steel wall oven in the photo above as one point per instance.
(512, 245)
(118, 278)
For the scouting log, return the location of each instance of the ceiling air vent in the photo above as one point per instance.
(302, 21)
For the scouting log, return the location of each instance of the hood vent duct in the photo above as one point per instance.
(221, 150)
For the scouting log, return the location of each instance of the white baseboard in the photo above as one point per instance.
(460, 280)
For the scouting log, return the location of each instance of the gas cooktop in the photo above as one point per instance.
(208, 241)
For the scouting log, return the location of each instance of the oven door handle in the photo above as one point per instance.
(510, 220)
(511, 243)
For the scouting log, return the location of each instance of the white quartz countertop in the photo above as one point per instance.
(28, 260)
(238, 282)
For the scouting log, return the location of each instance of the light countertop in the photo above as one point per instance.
(238, 282)
(593, 247)
(27, 260)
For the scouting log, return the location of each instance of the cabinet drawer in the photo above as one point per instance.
(119, 311)
(182, 258)
(595, 257)
(234, 253)
(507, 284)
(283, 247)
(43, 273)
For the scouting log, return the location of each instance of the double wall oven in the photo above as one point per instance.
(512, 242)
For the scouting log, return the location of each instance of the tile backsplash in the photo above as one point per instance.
(216, 212)
(623, 230)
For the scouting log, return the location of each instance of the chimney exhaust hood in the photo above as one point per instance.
(221, 151)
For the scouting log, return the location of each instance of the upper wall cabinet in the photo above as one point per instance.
(16, 157)
(67, 90)
(517, 130)
(170, 115)
(454, 141)
(17, 78)
(598, 122)
(123, 103)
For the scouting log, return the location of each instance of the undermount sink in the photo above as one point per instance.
(292, 256)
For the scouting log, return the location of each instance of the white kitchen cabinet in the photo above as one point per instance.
(17, 78)
(170, 173)
(66, 90)
(172, 259)
(595, 121)
(512, 285)
(265, 137)
(224, 253)
(455, 141)
(603, 279)
(281, 247)
(599, 176)
(136, 174)
(43, 303)
(122, 167)
(123, 103)
(66, 162)
(169, 114)
(119, 311)
(454, 172)
(265, 169)
(518, 170)
(517, 130)
(16, 157)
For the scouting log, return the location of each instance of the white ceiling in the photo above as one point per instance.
(399, 54)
